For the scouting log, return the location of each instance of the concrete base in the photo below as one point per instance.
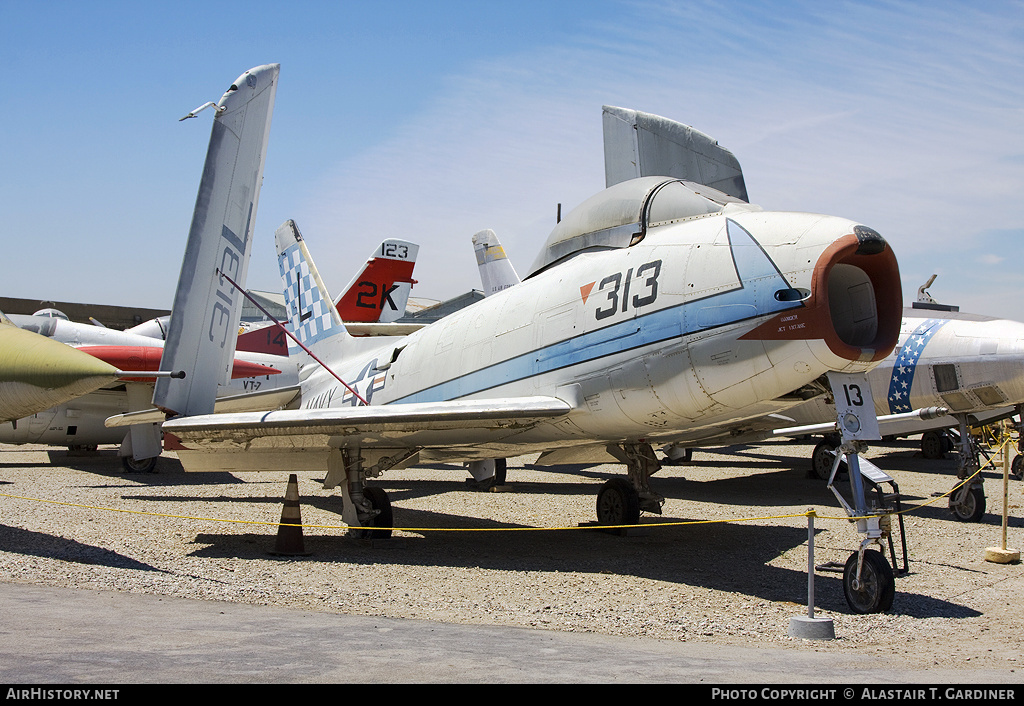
(998, 555)
(812, 628)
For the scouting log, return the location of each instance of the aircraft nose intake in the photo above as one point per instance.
(855, 304)
(857, 285)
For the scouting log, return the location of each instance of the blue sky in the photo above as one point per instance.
(432, 120)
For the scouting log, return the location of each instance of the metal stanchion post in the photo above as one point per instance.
(808, 627)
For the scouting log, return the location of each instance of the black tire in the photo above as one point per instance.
(500, 471)
(934, 445)
(144, 465)
(1017, 467)
(972, 509)
(822, 459)
(877, 585)
(383, 521)
(618, 503)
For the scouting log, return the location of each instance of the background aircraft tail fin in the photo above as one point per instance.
(641, 144)
(380, 291)
(496, 270)
(270, 340)
(204, 322)
(312, 316)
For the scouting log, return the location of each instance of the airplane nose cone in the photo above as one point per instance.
(37, 373)
(856, 299)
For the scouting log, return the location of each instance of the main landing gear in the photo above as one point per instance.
(620, 501)
(968, 501)
(366, 509)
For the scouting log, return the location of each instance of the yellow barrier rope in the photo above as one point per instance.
(399, 529)
(807, 513)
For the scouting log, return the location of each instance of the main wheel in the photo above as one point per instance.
(383, 520)
(934, 444)
(822, 459)
(1017, 467)
(972, 507)
(143, 465)
(877, 587)
(618, 503)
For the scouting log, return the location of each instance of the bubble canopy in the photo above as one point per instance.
(620, 216)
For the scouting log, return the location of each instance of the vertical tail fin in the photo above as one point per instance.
(380, 291)
(201, 336)
(312, 316)
(496, 272)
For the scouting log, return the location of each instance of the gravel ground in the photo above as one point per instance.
(736, 582)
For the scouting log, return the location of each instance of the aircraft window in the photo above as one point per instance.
(793, 294)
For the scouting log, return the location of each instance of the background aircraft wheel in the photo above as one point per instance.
(877, 586)
(384, 521)
(500, 471)
(972, 507)
(143, 465)
(677, 457)
(1017, 467)
(934, 444)
(822, 459)
(618, 503)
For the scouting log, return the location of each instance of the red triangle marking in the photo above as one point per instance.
(585, 291)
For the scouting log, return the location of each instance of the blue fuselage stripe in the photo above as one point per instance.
(645, 330)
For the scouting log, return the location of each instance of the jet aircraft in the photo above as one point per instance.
(972, 365)
(658, 305)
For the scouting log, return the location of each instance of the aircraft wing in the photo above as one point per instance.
(272, 438)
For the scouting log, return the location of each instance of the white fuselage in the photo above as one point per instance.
(683, 330)
(966, 363)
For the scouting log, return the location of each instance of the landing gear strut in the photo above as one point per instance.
(868, 580)
(366, 509)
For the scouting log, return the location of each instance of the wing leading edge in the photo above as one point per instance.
(275, 436)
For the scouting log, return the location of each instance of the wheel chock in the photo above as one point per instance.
(289, 532)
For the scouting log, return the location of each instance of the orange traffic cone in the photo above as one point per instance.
(289, 532)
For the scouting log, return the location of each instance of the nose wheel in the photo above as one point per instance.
(873, 588)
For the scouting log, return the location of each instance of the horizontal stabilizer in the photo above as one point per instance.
(277, 398)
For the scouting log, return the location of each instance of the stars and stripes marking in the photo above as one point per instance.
(905, 365)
